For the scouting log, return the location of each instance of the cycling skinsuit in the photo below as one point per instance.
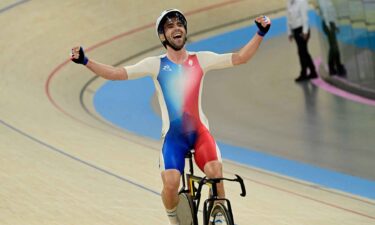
(179, 88)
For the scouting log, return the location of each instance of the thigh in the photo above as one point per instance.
(206, 150)
(173, 153)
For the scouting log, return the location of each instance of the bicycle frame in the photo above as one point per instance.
(188, 186)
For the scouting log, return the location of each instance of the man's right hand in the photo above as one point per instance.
(78, 56)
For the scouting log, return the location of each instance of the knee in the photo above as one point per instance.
(171, 187)
(171, 182)
(213, 169)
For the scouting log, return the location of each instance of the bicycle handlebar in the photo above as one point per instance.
(214, 181)
(243, 189)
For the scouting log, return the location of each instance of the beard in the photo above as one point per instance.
(176, 45)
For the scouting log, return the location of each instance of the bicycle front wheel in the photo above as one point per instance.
(186, 211)
(220, 215)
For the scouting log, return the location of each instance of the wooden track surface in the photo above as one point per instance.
(59, 165)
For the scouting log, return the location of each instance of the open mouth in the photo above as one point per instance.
(177, 36)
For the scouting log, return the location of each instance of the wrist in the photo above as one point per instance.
(260, 33)
(85, 61)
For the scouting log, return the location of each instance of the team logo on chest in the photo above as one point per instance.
(167, 68)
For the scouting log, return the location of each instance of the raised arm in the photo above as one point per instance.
(106, 71)
(246, 52)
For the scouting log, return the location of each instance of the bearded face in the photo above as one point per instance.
(175, 33)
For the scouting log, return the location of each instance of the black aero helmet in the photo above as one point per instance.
(164, 16)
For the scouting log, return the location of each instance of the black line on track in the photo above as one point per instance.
(11, 6)
(93, 166)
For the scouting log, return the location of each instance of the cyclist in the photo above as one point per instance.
(178, 75)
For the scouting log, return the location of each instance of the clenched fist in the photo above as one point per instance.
(78, 56)
(263, 23)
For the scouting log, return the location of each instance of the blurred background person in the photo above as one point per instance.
(329, 21)
(298, 29)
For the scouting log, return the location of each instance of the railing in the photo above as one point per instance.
(352, 43)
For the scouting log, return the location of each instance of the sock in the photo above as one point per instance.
(172, 216)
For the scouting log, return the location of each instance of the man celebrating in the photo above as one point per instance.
(178, 77)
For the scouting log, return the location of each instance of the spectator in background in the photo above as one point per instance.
(298, 29)
(329, 22)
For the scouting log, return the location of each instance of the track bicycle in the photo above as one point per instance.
(215, 210)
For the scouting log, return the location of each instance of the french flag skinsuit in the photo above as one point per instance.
(179, 91)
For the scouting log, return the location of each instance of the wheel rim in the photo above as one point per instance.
(219, 216)
(219, 219)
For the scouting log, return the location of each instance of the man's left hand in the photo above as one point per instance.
(263, 23)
